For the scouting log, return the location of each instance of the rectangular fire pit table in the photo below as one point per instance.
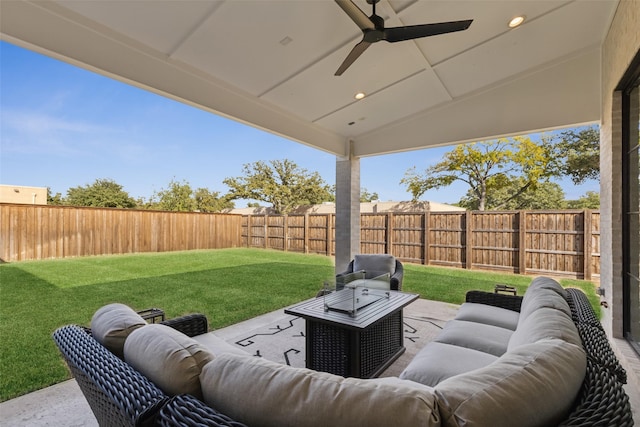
(361, 344)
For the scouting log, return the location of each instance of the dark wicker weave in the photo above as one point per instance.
(361, 354)
(602, 400)
(117, 394)
(187, 411)
(597, 346)
(509, 302)
(190, 325)
(581, 309)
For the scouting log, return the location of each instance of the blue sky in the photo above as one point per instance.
(62, 127)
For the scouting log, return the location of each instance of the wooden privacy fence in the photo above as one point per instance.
(559, 242)
(29, 232)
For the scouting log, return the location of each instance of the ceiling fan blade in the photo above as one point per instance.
(398, 34)
(353, 55)
(356, 15)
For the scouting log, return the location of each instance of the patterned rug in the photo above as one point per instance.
(283, 341)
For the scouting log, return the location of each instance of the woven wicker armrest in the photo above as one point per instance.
(186, 411)
(602, 401)
(509, 302)
(117, 394)
(581, 309)
(190, 325)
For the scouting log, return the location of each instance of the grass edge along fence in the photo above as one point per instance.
(557, 242)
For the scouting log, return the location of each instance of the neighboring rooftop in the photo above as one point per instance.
(365, 207)
(23, 195)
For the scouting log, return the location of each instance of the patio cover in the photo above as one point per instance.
(271, 64)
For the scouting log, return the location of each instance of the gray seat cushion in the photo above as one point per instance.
(542, 296)
(437, 362)
(489, 315)
(477, 336)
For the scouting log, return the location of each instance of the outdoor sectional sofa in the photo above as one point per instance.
(537, 360)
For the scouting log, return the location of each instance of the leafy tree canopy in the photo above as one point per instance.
(104, 193)
(281, 183)
(579, 153)
(211, 201)
(507, 196)
(486, 166)
(591, 200)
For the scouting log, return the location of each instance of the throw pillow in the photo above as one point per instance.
(169, 358)
(112, 324)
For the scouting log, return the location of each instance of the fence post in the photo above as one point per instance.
(329, 233)
(522, 242)
(426, 219)
(249, 230)
(389, 231)
(266, 231)
(587, 251)
(306, 233)
(468, 240)
(285, 232)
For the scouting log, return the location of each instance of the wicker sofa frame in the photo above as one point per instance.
(121, 396)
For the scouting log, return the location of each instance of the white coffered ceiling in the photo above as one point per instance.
(271, 64)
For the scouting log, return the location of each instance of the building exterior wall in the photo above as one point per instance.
(620, 46)
(618, 50)
(23, 195)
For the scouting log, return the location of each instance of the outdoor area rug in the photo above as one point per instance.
(283, 340)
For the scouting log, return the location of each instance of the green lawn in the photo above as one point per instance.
(228, 286)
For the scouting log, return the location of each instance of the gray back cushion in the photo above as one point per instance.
(533, 385)
(169, 358)
(379, 263)
(112, 324)
(258, 392)
(545, 323)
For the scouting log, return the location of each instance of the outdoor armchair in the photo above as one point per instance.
(374, 265)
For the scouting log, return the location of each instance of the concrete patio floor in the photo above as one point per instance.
(63, 404)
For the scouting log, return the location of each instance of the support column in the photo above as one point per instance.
(347, 211)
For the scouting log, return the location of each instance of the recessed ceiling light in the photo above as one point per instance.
(359, 95)
(518, 20)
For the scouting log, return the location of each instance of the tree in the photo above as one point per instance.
(544, 195)
(365, 196)
(591, 200)
(211, 201)
(104, 193)
(579, 151)
(178, 197)
(55, 200)
(281, 183)
(487, 166)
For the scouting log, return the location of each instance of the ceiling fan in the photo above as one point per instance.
(373, 30)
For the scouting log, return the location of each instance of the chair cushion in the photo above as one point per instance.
(489, 315)
(112, 324)
(538, 297)
(169, 358)
(280, 395)
(545, 323)
(477, 336)
(542, 282)
(380, 263)
(436, 362)
(533, 385)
